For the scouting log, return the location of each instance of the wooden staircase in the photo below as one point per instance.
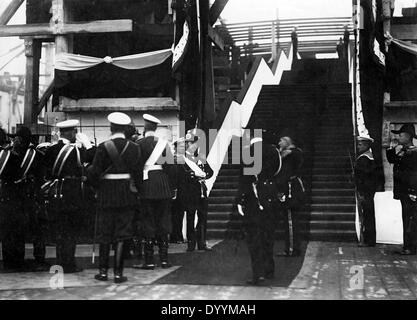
(312, 104)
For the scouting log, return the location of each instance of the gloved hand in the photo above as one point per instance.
(84, 140)
(240, 210)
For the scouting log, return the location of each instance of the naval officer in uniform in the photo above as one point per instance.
(192, 192)
(403, 154)
(21, 174)
(156, 192)
(115, 174)
(65, 164)
(256, 202)
(365, 182)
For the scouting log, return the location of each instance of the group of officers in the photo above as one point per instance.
(132, 182)
(142, 187)
(402, 154)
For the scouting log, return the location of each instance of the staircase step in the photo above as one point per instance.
(331, 171)
(332, 225)
(213, 215)
(227, 185)
(332, 235)
(333, 199)
(331, 185)
(332, 192)
(226, 179)
(221, 207)
(223, 192)
(333, 207)
(332, 216)
(222, 200)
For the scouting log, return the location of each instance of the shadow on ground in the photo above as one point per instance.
(229, 264)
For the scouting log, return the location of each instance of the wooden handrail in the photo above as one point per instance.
(249, 80)
(287, 21)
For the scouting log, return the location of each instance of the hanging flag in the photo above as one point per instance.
(181, 47)
(378, 53)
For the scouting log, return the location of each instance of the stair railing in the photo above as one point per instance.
(240, 110)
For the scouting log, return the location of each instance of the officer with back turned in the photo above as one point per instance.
(116, 175)
(156, 192)
(65, 170)
(21, 175)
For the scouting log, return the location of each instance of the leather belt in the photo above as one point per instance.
(117, 176)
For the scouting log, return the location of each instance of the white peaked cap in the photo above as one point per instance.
(119, 118)
(365, 138)
(148, 117)
(68, 124)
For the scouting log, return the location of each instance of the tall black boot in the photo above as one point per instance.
(149, 262)
(118, 264)
(163, 254)
(104, 252)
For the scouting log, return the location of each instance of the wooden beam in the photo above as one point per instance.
(44, 29)
(9, 12)
(33, 55)
(404, 31)
(215, 10)
(216, 38)
(116, 104)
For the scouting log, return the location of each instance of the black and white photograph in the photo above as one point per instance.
(208, 154)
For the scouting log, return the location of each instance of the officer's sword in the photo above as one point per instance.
(255, 191)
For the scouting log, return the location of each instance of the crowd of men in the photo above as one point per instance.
(129, 180)
(142, 187)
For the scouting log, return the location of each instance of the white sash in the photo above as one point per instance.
(193, 166)
(29, 153)
(4, 154)
(156, 153)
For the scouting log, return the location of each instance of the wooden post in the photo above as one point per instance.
(386, 13)
(33, 54)
(60, 15)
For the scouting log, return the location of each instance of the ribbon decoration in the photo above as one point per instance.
(404, 45)
(77, 62)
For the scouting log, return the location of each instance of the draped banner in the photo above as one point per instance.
(404, 45)
(181, 47)
(76, 62)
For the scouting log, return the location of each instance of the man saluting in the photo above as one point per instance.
(115, 173)
(64, 162)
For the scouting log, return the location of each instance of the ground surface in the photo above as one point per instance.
(325, 271)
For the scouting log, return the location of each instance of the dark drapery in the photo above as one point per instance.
(372, 77)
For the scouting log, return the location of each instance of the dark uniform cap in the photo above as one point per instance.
(23, 132)
(408, 128)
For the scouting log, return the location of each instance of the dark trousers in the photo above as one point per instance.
(177, 219)
(409, 215)
(67, 226)
(368, 212)
(260, 228)
(198, 233)
(21, 218)
(156, 217)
